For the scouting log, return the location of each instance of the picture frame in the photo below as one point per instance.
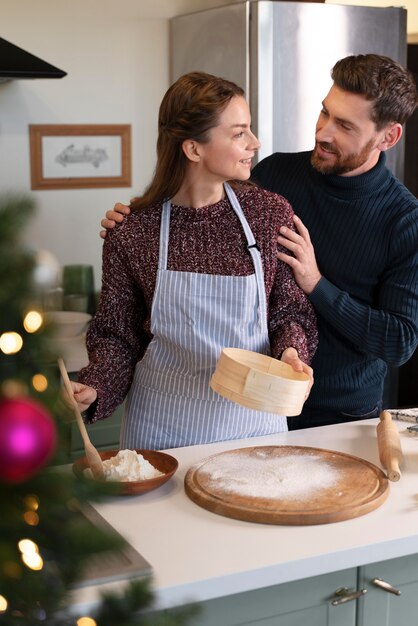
(80, 156)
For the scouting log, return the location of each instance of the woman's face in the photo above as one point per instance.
(231, 147)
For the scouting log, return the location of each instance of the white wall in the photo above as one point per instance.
(109, 81)
(117, 59)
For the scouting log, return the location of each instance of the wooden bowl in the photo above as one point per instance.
(160, 460)
(259, 382)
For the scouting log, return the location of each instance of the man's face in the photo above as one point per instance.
(346, 140)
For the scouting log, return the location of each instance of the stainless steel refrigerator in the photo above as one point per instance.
(281, 53)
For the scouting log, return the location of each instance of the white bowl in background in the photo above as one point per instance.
(67, 323)
(72, 351)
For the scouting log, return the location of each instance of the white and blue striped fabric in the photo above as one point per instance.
(194, 316)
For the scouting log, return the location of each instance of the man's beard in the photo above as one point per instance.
(340, 165)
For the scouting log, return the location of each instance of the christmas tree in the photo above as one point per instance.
(45, 541)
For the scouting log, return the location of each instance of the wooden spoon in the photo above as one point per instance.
(93, 457)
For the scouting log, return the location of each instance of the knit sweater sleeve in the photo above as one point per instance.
(292, 320)
(390, 329)
(115, 341)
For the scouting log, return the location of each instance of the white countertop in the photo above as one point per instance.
(198, 555)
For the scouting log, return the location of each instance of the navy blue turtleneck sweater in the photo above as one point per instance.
(365, 233)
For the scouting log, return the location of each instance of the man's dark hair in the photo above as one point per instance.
(387, 84)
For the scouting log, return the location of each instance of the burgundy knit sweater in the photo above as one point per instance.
(206, 240)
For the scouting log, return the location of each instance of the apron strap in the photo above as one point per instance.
(252, 249)
(164, 233)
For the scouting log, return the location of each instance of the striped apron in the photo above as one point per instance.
(194, 316)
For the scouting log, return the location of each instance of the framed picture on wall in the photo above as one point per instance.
(79, 156)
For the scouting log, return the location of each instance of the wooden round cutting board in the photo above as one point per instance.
(287, 485)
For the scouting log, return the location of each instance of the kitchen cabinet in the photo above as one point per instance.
(390, 599)
(291, 604)
(381, 606)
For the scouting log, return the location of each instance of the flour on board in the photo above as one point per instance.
(265, 475)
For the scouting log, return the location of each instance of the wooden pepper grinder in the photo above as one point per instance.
(389, 446)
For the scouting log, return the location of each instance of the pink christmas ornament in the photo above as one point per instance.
(27, 438)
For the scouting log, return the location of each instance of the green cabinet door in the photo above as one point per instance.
(297, 603)
(381, 607)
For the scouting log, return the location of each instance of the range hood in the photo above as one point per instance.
(16, 63)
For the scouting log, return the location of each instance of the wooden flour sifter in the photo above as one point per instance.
(389, 446)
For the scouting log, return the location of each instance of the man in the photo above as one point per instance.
(355, 253)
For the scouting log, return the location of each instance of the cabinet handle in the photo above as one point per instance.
(346, 595)
(386, 586)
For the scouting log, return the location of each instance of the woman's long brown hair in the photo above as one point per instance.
(189, 109)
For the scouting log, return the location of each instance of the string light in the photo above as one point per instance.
(3, 604)
(33, 561)
(13, 388)
(32, 502)
(27, 545)
(40, 382)
(10, 342)
(31, 518)
(33, 321)
(86, 621)
(30, 554)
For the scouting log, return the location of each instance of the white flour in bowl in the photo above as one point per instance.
(129, 466)
(264, 475)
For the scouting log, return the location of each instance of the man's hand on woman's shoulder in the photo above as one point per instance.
(113, 216)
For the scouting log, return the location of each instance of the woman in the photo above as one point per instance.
(191, 270)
